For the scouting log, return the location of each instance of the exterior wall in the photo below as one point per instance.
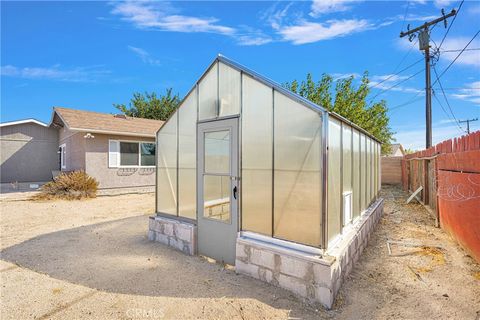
(391, 170)
(174, 233)
(75, 149)
(96, 164)
(28, 153)
(311, 276)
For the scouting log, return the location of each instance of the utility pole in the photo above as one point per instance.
(424, 44)
(468, 123)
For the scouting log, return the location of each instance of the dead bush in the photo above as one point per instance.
(74, 185)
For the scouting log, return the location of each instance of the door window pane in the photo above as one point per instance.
(129, 153)
(217, 152)
(216, 197)
(148, 154)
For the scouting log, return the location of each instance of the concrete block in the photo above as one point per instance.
(156, 226)
(246, 268)
(324, 296)
(294, 267)
(241, 251)
(168, 229)
(265, 274)
(183, 233)
(175, 243)
(322, 275)
(293, 284)
(161, 238)
(262, 258)
(151, 235)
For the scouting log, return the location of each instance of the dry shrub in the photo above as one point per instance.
(74, 185)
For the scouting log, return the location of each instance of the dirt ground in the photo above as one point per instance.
(91, 260)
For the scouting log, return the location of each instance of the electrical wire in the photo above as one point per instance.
(451, 24)
(457, 50)
(445, 97)
(446, 113)
(451, 63)
(396, 84)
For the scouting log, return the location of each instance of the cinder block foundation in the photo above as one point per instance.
(308, 272)
(180, 235)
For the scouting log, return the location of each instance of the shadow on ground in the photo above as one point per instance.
(117, 257)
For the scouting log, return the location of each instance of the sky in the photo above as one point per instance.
(89, 55)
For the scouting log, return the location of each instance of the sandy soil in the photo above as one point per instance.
(91, 260)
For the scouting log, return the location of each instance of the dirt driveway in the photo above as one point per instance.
(91, 260)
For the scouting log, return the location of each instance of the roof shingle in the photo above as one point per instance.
(107, 123)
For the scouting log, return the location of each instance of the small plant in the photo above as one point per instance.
(74, 185)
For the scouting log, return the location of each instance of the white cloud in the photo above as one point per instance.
(144, 55)
(468, 58)
(253, 40)
(78, 74)
(308, 32)
(471, 93)
(389, 81)
(443, 3)
(159, 16)
(320, 7)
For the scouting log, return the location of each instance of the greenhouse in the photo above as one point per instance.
(249, 173)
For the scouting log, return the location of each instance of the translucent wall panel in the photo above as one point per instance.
(347, 162)
(208, 94)
(372, 170)
(356, 174)
(379, 166)
(229, 90)
(334, 178)
(187, 159)
(363, 183)
(167, 167)
(257, 141)
(369, 171)
(297, 188)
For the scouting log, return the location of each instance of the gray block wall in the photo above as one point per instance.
(313, 277)
(174, 233)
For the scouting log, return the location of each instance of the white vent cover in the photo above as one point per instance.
(347, 207)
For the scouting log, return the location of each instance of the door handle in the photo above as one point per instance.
(235, 192)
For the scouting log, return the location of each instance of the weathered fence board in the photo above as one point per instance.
(450, 176)
(391, 170)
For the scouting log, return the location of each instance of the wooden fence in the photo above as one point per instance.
(391, 170)
(449, 174)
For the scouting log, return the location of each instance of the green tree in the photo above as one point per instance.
(150, 106)
(349, 101)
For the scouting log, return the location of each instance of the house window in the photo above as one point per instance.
(62, 151)
(131, 154)
(147, 156)
(128, 153)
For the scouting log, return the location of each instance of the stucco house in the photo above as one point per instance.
(117, 150)
(396, 151)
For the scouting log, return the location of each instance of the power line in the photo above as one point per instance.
(445, 111)
(451, 24)
(405, 15)
(445, 97)
(395, 85)
(451, 63)
(457, 50)
(396, 74)
(410, 101)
